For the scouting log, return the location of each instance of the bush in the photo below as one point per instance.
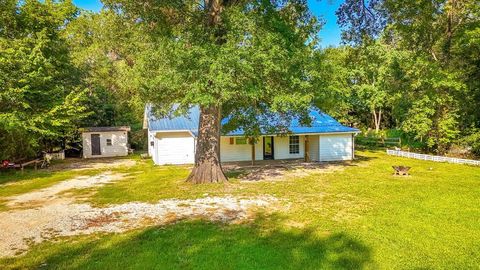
(370, 138)
(472, 142)
(138, 140)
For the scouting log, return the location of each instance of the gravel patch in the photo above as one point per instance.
(59, 215)
(88, 164)
(50, 194)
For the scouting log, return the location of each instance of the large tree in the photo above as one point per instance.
(40, 89)
(245, 60)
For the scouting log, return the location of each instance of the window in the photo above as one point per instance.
(240, 140)
(294, 143)
(151, 143)
(109, 142)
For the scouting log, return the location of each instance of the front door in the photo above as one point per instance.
(96, 144)
(268, 145)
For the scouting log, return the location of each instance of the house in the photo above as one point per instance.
(172, 140)
(104, 141)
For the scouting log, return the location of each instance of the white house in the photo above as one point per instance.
(172, 140)
(105, 141)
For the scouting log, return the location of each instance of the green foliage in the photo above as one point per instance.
(472, 141)
(103, 47)
(252, 60)
(41, 99)
(417, 61)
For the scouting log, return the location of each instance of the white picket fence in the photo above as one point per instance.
(433, 158)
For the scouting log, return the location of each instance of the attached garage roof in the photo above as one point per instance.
(187, 122)
(321, 123)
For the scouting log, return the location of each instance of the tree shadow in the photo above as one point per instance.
(276, 169)
(263, 244)
(11, 175)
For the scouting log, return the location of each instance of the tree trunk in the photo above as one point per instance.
(377, 118)
(207, 168)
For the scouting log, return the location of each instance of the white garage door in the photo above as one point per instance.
(335, 147)
(174, 148)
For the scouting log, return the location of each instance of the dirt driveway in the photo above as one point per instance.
(50, 212)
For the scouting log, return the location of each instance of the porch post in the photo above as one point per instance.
(252, 142)
(353, 146)
(307, 149)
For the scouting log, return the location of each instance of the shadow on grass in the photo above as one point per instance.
(8, 176)
(270, 169)
(204, 245)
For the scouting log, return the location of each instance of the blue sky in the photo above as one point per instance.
(330, 34)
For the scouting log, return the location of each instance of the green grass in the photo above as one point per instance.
(357, 217)
(201, 245)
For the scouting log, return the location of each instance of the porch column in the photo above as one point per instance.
(252, 142)
(307, 149)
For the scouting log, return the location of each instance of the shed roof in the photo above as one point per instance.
(104, 129)
(321, 123)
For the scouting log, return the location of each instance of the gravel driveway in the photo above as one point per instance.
(48, 213)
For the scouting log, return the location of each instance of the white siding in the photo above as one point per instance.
(179, 148)
(151, 143)
(313, 145)
(119, 145)
(174, 148)
(335, 147)
(239, 152)
(282, 148)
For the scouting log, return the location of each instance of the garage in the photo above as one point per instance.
(174, 148)
(336, 147)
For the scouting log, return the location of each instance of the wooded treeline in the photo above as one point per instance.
(413, 66)
(59, 71)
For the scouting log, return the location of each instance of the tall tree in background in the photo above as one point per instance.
(41, 100)
(104, 47)
(247, 58)
(369, 67)
(434, 39)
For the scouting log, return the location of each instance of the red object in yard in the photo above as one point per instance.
(5, 163)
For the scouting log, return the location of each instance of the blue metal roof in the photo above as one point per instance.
(321, 123)
(185, 122)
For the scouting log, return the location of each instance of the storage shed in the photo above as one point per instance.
(105, 141)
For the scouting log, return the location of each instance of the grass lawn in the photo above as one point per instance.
(355, 216)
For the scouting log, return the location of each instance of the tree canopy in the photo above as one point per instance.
(412, 66)
(41, 98)
(424, 55)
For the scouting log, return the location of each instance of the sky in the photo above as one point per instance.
(325, 9)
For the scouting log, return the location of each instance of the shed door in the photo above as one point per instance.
(335, 147)
(175, 148)
(96, 144)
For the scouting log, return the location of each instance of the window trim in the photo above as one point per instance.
(109, 142)
(241, 138)
(294, 145)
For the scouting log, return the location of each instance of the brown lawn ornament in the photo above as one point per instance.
(401, 170)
